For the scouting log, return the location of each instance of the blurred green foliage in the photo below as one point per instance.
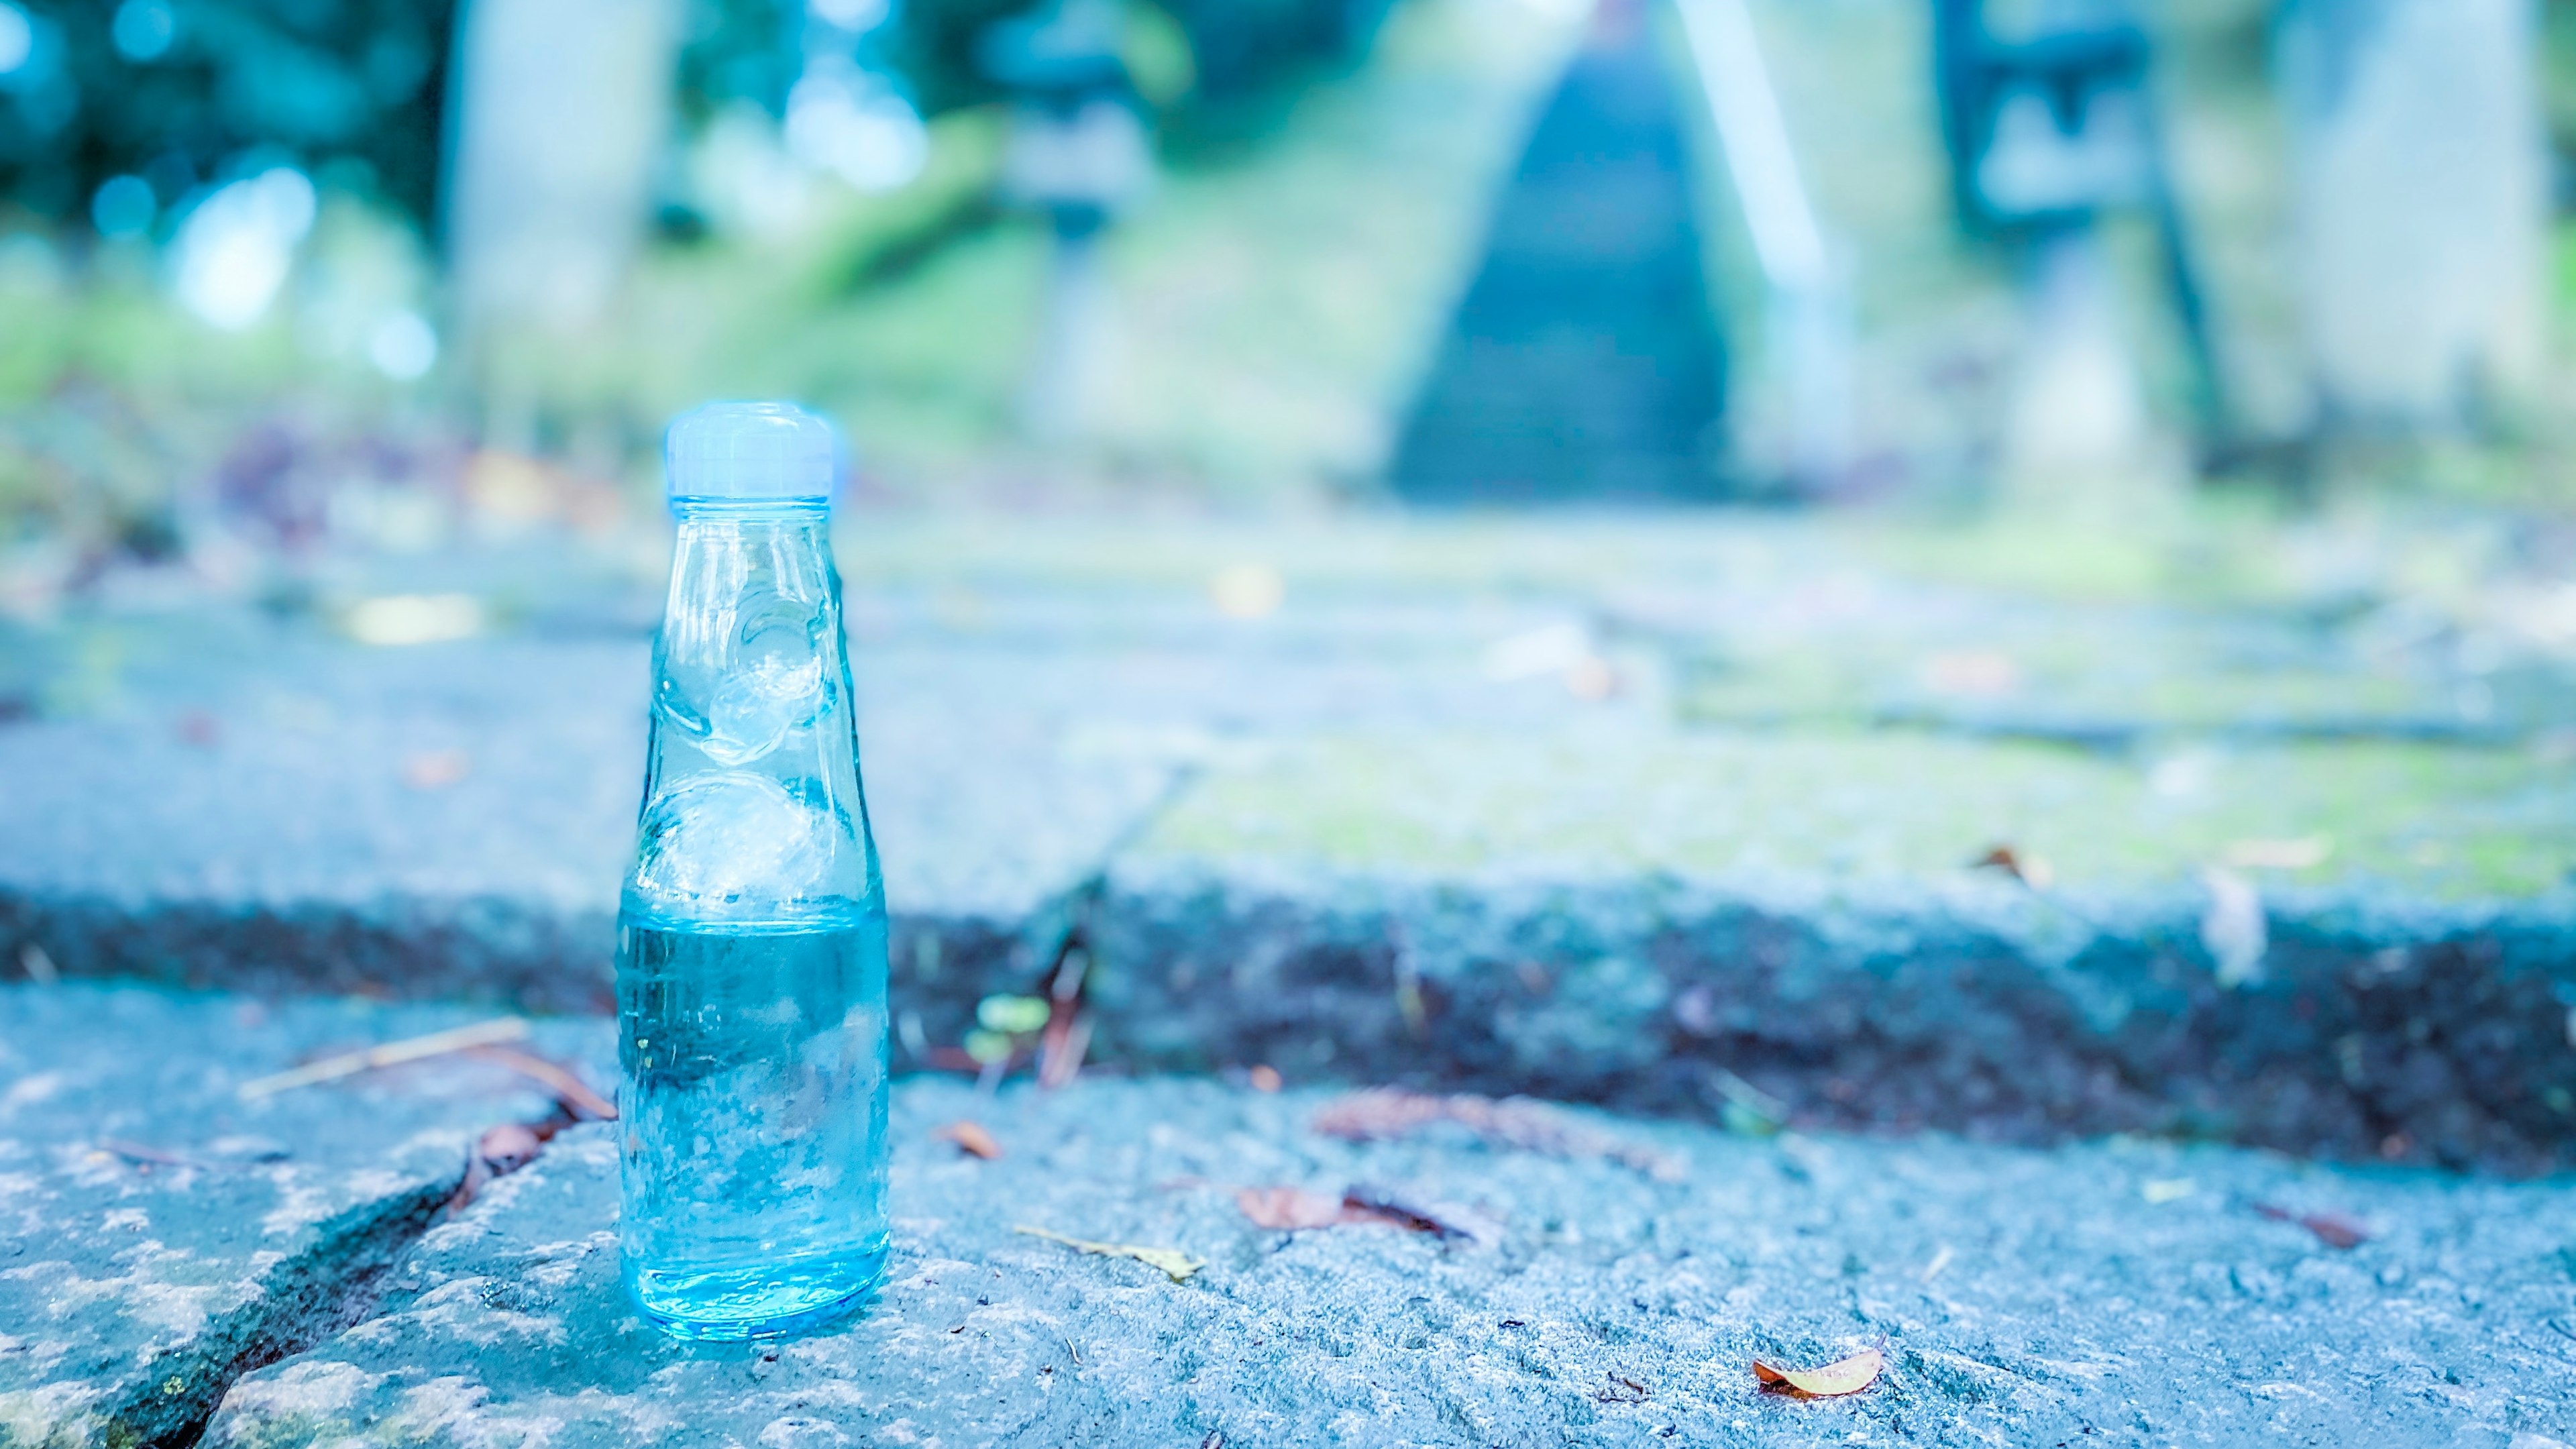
(177, 91)
(172, 90)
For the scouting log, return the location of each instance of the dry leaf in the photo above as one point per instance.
(2030, 870)
(1384, 1113)
(1264, 1079)
(971, 1138)
(2332, 1229)
(1289, 1208)
(1849, 1376)
(1443, 1219)
(1177, 1265)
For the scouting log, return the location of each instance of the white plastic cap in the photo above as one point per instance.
(750, 451)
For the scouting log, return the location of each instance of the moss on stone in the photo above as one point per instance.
(2425, 820)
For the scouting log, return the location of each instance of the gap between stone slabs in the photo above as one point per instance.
(165, 1236)
(1662, 924)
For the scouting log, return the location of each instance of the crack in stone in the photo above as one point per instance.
(311, 1298)
(301, 1302)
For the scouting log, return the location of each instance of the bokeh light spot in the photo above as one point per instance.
(402, 346)
(144, 29)
(235, 249)
(123, 206)
(17, 38)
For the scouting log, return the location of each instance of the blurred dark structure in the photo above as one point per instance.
(1584, 364)
(173, 91)
(1237, 47)
(1078, 154)
(2049, 129)
(2420, 218)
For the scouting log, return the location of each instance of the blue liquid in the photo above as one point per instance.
(753, 1122)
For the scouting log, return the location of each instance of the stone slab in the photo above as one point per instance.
(1867, 649)
(2364, 949)
(159, 1235)
(215, 796)
(2126, 1290)
(454, 819)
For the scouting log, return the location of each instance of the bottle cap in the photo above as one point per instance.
(750, 451)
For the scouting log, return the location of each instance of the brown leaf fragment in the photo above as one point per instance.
(1443, 1219)
(1288, 1208)
(2332, 1229)
(571, 1093)
(1264, 1078)
(1385, 1113)
(1847, 1376)
(1175, 1264)
(2030, 870)
(508, 1147)
(971, 1139)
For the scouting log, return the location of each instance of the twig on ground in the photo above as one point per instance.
(146, 1156)
(1174, 1264)
(391, 1054)
(1061, 1061)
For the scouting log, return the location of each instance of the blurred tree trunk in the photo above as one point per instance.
(2421, 205)
(562, 110)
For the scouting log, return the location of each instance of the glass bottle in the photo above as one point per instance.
(751, 962)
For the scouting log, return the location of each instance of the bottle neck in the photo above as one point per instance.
(702, 510)
(769, 546)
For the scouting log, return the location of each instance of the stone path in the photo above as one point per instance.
(1683, 818)
(1584, 363)
(2122, 1290)
(1678, 815)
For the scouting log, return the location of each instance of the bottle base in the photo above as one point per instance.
(761, 1300)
